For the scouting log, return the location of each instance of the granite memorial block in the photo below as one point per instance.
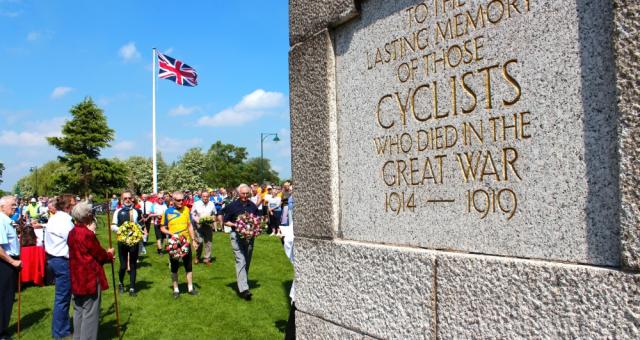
(476, 164)
(480, 126)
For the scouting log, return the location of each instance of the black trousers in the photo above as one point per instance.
(132, 252)
(8, 280)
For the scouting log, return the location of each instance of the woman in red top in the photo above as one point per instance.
(86, 258)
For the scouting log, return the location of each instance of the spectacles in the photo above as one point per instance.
(245, 193)
(126, 198)
(177, 200)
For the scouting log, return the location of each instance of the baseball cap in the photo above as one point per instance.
(33, 200)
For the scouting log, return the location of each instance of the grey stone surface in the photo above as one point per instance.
(314, 136)
(308, 17)
(627, 49)
(376, 290)
(487, 297)
(567, 193)
(311, 327)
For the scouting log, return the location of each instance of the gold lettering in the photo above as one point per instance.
(378, 113)
(513, 82)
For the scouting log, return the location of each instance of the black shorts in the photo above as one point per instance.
(158, 232)
(186, 261)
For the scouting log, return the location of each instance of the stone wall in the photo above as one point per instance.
(399, 284)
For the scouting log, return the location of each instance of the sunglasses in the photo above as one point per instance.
(178, 200)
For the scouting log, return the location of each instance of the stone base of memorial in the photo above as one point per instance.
(466, 168)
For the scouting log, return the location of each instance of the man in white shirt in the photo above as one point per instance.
(9, 262)
(146, 206)
(157, 210)
(58, 228)
(201, 208)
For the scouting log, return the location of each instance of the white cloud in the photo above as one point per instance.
(168, 50)
(60, 91)
(12, 117)
(260, 99)
(129, 52)
(182, 110)
(35, 135)
(173, 145)
(251, 107)
(33, 36)
(125, 145)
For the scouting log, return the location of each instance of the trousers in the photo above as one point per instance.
(8, 279)
(86, 316)
(125, 251)
(61, 325)
(205, 236)
(242, 250)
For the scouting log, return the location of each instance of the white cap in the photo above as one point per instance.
(33, 200)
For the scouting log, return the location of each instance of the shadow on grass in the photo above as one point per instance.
(143, 264)
(29, 320)
(281, 325)
(142, 285)
(109, 331)
(253, 284)
(286, 287)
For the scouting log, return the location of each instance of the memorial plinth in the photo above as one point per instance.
(489, 145)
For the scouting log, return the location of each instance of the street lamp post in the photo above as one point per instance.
(35, 169)
(263, 136)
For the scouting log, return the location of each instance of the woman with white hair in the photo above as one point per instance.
(88, 280)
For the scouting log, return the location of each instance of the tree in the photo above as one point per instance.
(187, 172)
(82, 139)
(224, 165)
(139, 174)
(253, 174)
(109, 176)
(163, 171)
(1, 171)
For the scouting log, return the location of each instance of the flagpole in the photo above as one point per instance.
(153, 122)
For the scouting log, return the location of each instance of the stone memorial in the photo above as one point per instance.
(466, 168)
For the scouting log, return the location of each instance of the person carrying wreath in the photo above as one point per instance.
(127, 253)
(202, 209)
(176, 221)
(242, 248)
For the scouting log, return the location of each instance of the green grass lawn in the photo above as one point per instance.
(217, 313)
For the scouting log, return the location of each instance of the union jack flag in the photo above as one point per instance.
(177, 71)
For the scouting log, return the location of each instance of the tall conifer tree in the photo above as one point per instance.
(83, 137)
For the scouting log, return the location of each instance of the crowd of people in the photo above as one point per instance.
(65, 226)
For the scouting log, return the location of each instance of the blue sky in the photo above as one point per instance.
(57, 52)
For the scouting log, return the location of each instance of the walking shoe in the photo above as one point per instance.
(132, 292)
(160, 252)
(121, 288)
(246, 295)
(193, 292)
(176, 295)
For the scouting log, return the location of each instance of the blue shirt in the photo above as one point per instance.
(8, 237)
(114, 204)
(16, 216)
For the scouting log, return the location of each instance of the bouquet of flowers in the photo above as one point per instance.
(206, 221)
(177, 246)
(129, 233)
(249, 226)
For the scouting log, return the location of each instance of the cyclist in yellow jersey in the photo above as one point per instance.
(177, 221)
